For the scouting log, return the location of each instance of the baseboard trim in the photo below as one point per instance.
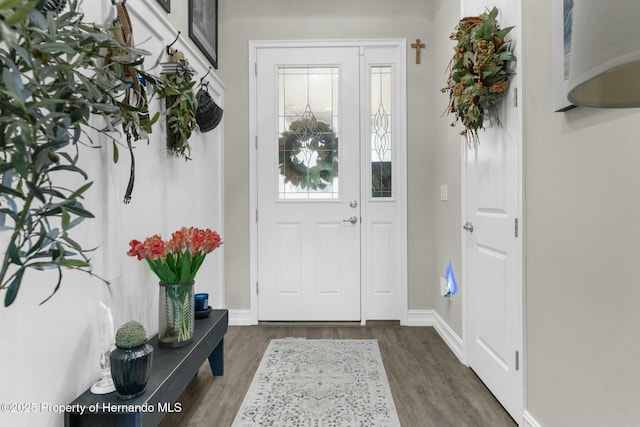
(240, 318)
(433, 319)
(529, 421)
(414, 318)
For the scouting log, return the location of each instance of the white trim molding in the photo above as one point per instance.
(430, 318)
(240, 318)
(529, 421)
(433, 319)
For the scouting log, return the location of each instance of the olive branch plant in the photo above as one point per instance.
(53, 84)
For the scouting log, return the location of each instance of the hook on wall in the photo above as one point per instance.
(172, 43)
(202, 82)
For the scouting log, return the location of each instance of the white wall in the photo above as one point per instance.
(582, 250)
(446, 222)
(50, 353)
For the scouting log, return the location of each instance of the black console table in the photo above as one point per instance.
(172, 370)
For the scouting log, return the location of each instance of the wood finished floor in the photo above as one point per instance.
(430, 387)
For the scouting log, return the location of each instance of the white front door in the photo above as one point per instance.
(493, 248)
(328, 180)
(308, 184)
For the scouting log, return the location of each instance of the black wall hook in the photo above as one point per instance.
(202, 82)
(172, 43)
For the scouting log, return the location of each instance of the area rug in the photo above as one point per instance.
(319, 383)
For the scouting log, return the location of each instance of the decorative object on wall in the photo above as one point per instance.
(417, 46)
(203, 27)
(208, 113)
(43, 124)
(562, 23)
(605, 54)
(131, 360)
(166, 5)
(478, 73)
(176, 88)
(176, 262)
(56, 6)
(107, 341)
(133, 95)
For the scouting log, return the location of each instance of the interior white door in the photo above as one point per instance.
(493, 248)
(308, 183)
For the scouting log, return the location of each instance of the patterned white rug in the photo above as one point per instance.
(319, 383)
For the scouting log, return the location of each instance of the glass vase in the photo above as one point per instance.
(175, 314)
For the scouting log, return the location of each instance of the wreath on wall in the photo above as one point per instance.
(306, 155)
(478, 75)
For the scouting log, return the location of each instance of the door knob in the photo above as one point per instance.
(352, 219)
(468, 226)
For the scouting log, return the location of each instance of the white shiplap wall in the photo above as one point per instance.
(50, 353)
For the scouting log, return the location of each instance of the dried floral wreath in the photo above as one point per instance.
(478, 75)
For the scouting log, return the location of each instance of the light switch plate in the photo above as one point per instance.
(444, 193)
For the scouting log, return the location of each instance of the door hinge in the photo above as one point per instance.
(256, 215)
(257, 288)
(516, 227)
(517, 360)
(255, 68)
(515, 97)
(256, 142)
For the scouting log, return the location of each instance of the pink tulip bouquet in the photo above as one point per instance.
(178, 259)
(176, 262)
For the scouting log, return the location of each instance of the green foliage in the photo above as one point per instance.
(177, 91)
(180, 267)
(479, 75)
(52, 83)
(131, 334)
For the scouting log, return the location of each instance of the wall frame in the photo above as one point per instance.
(203, 27)
(166, 5)
(562, 19)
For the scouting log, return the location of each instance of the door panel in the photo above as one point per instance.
(493, 247)
(308, 173)
(493, 267)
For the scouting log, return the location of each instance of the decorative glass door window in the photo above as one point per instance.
(381, 159)
(308, 133)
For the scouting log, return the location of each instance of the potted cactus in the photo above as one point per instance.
(131, 360)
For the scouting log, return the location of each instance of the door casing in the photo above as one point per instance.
(400, 162)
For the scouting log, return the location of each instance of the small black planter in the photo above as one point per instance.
(130, 369)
